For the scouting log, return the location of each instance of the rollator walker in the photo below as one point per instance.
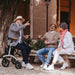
(8, 56)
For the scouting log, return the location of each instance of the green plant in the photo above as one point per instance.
(38, 45)
(28, 41)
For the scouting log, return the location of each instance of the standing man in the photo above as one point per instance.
(16, 35)
(50, 38)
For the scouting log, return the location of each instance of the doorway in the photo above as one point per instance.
(64, 11)
(65, 18)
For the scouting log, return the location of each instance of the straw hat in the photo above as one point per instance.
(19, 17)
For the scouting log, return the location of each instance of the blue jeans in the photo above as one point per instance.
(43, 51)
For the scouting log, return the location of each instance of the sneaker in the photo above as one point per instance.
(45, 66)
(29, 66)
(50, 68)
(23, 64)
(65, 65)
(42, 65)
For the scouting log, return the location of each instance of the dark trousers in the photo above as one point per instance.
(25, 50)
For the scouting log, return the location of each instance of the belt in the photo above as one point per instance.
(12, 39)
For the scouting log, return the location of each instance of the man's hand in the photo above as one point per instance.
(59, 48)
(39, 36)
(26, 36)
(46, 42)
(27, 23)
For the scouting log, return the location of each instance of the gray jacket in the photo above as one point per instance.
(14, 33)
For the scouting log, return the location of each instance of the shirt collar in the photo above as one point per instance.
(17, 24)
(52, 31)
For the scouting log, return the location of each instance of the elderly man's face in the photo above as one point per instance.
(52, 28)
(19, 21)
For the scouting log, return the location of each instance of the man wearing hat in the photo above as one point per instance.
(50, 38)
(16, 33)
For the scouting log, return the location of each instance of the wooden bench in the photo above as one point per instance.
(69, 58)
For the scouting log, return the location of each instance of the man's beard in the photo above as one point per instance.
(51, 29)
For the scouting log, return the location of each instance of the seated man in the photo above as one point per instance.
(16, 33)
(51, 38)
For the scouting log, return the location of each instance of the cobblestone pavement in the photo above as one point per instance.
(11, 70)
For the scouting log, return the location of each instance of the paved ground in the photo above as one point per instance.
(11, 70)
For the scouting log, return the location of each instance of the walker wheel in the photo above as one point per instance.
(13, 60)
(5, 62)
(18, 65)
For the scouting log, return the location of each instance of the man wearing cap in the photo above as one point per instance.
(50, 38)
(16, 33)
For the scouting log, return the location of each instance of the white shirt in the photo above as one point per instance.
(20, 35)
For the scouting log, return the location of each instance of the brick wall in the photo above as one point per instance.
(39, 17)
